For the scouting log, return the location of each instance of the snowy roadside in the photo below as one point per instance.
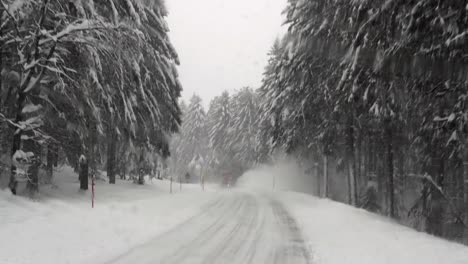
(339, 234)
(62, 228)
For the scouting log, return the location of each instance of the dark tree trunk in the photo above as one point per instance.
(351, 164)
(141, 177)
(380, 171)
(16, 145)
(367, 153)
(317, 176)
(141, 172)
(91, 153)
(122, 171)
(390, 170)
(325, 176)
(51, 160)
(111, 156)
(83, 173)
(31, 145)
(465, 182)
(358, 164)
(434, 223)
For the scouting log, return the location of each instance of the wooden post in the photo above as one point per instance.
(180, 183)
(171, 185)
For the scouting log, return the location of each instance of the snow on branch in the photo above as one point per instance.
(79, 25)
(458, 39)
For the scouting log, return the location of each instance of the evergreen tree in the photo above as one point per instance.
(190, 145)
(88, 70)
(219, 125)
(243, 127)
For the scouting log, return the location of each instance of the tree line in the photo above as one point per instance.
(93, 82)
(375, 93)
(217, 142)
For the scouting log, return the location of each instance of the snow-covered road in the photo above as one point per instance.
(239, 227)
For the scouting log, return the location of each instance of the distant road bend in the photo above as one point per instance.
(240, 227)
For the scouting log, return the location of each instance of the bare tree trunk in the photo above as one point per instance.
(436, 206)
(325, 176)
(317, 176)
(123, 170)
(464, 186)
(91, 148)
(16, 141)
(111, 156)
(465, 182)
(367, 153)
(351, 165)
(31, 145)
(51, 160)
(358, 164)
(390, 171)
(141, 174)
(21, 94)
(84, 168)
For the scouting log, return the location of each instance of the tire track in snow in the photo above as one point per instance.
(136, 254)
(239, 228)
(193, 245)
(233, 243)
(293, 249)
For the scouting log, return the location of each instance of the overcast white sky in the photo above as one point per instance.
(223, 44)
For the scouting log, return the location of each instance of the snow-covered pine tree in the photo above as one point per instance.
(66, 59)
(377, 85)
(219, 125)
(146, 87)
(35, 52)
(191, 144)
(243, 127)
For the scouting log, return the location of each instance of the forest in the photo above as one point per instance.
(90, 82)
(369, 96)
(378, 91)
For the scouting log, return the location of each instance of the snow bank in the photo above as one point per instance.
(339, 234)
(61, 227)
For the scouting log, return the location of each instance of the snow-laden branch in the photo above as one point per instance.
(28, 125)
(456, 39)
(77, 26)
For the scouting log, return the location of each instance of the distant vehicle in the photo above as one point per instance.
(227, 180)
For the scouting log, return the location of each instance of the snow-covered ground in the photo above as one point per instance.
(146, 224)
(340, 234)
(61, 227)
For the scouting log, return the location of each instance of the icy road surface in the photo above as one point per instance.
(239, 227)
